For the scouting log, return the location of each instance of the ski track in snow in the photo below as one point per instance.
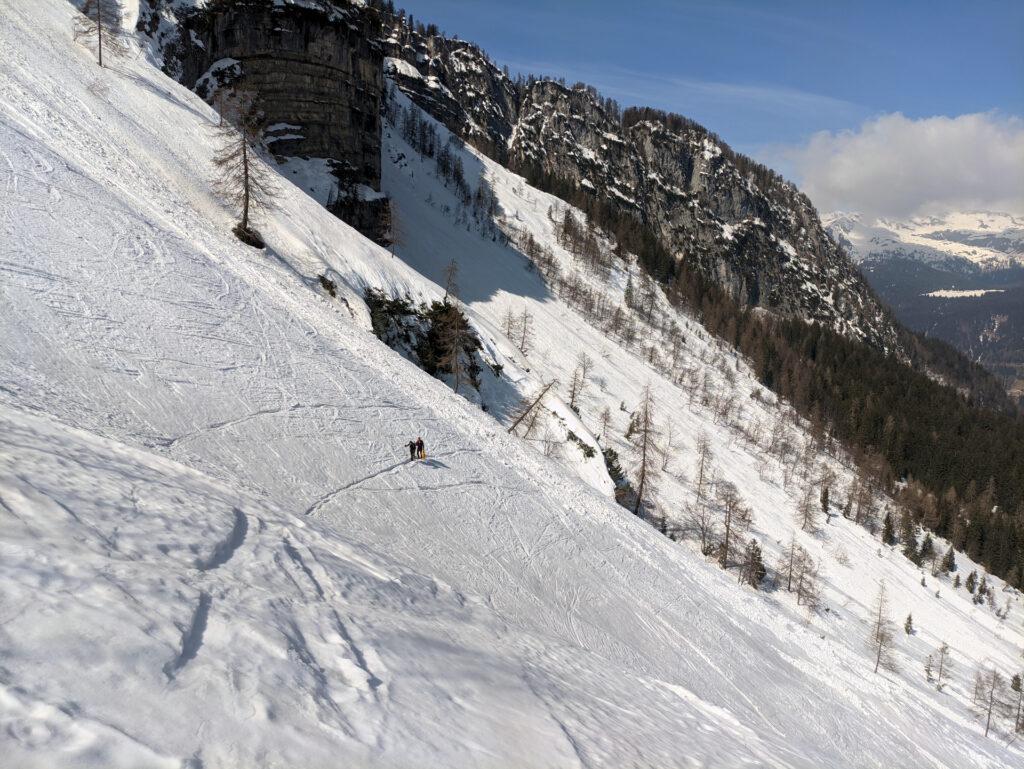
(213, 553)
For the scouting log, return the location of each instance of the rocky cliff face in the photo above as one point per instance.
(457, 83)
(320, 66)
(753, 232)
(316, 67)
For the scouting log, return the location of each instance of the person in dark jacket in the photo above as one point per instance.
(413, 447)
(420, 452)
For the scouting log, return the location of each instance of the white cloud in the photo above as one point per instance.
(896, 166)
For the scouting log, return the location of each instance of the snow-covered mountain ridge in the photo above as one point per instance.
(962, 241)
(214, 553)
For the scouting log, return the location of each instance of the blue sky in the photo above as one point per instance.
(763, 74)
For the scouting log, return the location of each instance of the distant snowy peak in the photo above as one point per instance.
(960, 241)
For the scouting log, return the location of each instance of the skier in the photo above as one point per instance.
(413, 447)
(420, 452)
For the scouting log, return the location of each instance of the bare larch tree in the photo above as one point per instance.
(455, 338)
(990, 694)
(525, 331)
(735, 519)
(881, 638)
(242, 180)
(451, 280)
(644, 440)
(101, 20)
(808, 511)
(529, 410)
(580, 374)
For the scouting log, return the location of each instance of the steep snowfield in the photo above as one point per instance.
(213, 554)
(959, 240)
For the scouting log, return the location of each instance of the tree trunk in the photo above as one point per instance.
(245, 185)
(991, 704)
(532, 406)
(99, 30)
(725, 544)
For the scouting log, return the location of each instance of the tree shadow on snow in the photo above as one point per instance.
(431, 239)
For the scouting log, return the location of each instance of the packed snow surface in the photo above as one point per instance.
(215, 553)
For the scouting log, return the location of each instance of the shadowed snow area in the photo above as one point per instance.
(214, 552)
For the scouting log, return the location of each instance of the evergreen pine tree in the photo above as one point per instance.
(908, 537)
(949, 561)
(927, 552)
(754, 570)
(908, 625)
(1017, 686)
(888, 532)
(972, 581)
(956, 581)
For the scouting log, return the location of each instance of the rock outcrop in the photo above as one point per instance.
(316, 68)
(744, 226)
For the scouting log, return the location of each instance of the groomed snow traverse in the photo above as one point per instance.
(214, 552)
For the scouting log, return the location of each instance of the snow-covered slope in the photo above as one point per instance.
(213, 553)
(961, 241)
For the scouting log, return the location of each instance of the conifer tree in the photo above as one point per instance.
(242, 180)
(456, 336)
(956, 581)
(927, 552)
(972, 582)
(948, 564)
(908, 537)
(606, 418)
(509, 323)
(807, 590)
(753, 570)
(644, 440)
(735, 519)
(881, 638)
(580, 374)
(529, 411)
(789, 561)
(525, 328)
(1017, 686)
(990, 694)
(908, 625)
(888, 532)
(807, 512)
(101, 21)
(451, 276)
(702, 476)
